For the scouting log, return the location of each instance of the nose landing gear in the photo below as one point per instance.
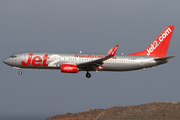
(88, 75)
(20, 73)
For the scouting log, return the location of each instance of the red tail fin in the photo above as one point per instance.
(160, 46)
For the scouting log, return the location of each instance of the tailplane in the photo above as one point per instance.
(160, 46)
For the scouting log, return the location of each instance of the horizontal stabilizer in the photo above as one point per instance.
(164, 58)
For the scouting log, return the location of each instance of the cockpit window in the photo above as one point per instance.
(13, 56)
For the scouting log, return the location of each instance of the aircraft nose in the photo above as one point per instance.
(6, 61)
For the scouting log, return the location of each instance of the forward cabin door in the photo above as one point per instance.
(25, 57)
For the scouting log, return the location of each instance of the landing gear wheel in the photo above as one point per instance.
(20, 73)
(88, 75)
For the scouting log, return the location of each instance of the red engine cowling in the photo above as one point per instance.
(68, 68)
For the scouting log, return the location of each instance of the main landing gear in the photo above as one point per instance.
(88, 75)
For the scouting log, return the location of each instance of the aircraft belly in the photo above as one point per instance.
(128, 66)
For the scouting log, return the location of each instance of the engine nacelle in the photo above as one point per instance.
(69, 68)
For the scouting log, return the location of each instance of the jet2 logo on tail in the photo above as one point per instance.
(156, 43)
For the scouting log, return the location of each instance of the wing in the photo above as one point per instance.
(97, 64)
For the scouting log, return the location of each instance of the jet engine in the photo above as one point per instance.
(69, 68)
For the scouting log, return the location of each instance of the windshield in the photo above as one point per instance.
(13, 56)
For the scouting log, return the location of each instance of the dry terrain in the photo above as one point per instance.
(150, 111)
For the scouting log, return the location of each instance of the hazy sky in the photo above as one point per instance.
(91, 26)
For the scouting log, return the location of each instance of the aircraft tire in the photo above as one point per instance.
(88, 75)
(20, 73)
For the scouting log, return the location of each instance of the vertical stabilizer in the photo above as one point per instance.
(160, 46)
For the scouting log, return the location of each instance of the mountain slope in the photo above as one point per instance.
(150, 111)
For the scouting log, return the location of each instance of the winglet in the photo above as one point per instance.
(110, 50)
(114, 51)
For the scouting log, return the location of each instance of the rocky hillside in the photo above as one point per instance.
(150, 111)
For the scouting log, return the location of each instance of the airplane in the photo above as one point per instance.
(153, 56)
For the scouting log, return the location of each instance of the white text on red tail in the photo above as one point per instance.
(156, 43)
